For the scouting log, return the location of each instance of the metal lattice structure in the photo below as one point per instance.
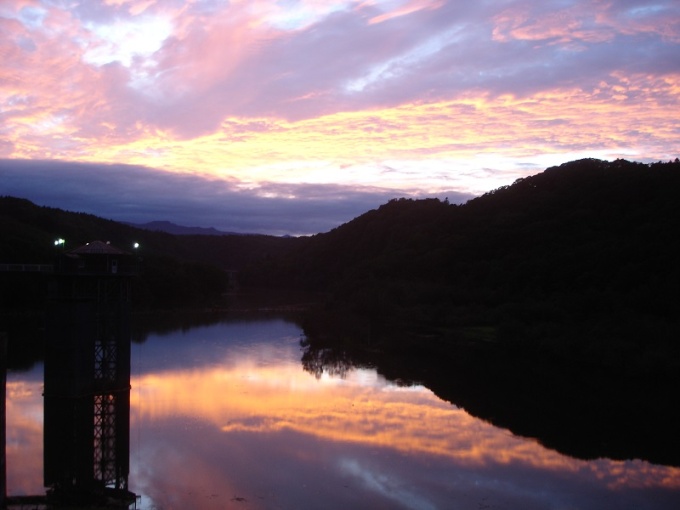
(105, 442)
(106, 375)
(87, 376)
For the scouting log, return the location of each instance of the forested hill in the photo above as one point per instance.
(585, 250)
(177, 270)
(585, 253)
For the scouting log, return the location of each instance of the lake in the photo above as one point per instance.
(224, 415)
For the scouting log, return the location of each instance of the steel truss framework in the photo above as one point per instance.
(110, 293)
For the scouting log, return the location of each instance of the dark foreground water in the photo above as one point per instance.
(224, 416)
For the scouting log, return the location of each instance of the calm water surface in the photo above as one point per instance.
(224, 416)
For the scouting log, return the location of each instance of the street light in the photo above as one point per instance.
(60, 242)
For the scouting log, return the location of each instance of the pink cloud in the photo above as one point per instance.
(571, 24)
(409, 8)
(587, 22)
(254, 64)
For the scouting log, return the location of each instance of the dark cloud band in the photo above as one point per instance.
(140, 194)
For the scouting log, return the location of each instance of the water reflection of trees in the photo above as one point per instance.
(334, 346)
(334, 362)
(579, 411)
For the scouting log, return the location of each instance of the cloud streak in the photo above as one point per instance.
(258, 92)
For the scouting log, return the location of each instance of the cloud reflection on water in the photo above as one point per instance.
(225, 415)
(361, 409)
(24, 421)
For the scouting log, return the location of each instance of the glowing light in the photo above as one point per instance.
(123, 41)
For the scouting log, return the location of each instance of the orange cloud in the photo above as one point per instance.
(315, 93)
(561, 123)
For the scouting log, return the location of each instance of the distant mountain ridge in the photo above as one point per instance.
(181, 230)
(178, 270)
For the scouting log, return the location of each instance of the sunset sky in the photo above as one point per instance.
(296, 116)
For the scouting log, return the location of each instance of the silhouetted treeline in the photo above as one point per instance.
(580, 262)
(176, 270)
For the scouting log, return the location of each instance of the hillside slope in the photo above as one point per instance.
(580, 260)
(549, 307)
